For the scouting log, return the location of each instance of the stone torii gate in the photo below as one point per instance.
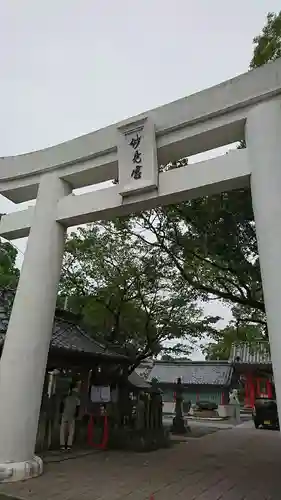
(248, 106)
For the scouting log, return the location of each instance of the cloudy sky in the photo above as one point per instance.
(69, 67)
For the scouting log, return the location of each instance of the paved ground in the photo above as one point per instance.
(233, 464)
(195, 424)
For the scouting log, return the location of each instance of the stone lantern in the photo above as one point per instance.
(179, 426)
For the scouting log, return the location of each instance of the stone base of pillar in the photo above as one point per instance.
(179, 426)
(20, 471)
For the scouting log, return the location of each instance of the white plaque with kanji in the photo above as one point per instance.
(137, 157)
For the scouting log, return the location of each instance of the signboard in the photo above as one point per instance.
(137, 158)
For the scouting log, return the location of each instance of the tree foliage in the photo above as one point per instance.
(9, 273)
(211, 244)
(220, 347)
(267, 45)
(169, 357)
(126, 293)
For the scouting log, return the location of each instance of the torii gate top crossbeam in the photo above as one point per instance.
(205, 120)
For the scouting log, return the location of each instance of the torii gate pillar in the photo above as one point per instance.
(26, 348)
(263, 138)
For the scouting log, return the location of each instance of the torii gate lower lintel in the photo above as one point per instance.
(132, 150)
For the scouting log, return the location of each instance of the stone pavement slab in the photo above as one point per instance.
(236, 464)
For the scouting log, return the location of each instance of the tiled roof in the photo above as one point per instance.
(66, 335)
(72, 337)
(257, 353)
(192, 372)
(138, 381)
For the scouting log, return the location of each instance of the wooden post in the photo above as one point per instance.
(252, 392)
(258, 382)
(269, 389)
(247, 398)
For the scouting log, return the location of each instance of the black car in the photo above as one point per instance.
(265, 414)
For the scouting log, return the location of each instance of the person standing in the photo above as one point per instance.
(69, 413)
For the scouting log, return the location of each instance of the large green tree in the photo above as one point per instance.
(211, 245)
(127, 293)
